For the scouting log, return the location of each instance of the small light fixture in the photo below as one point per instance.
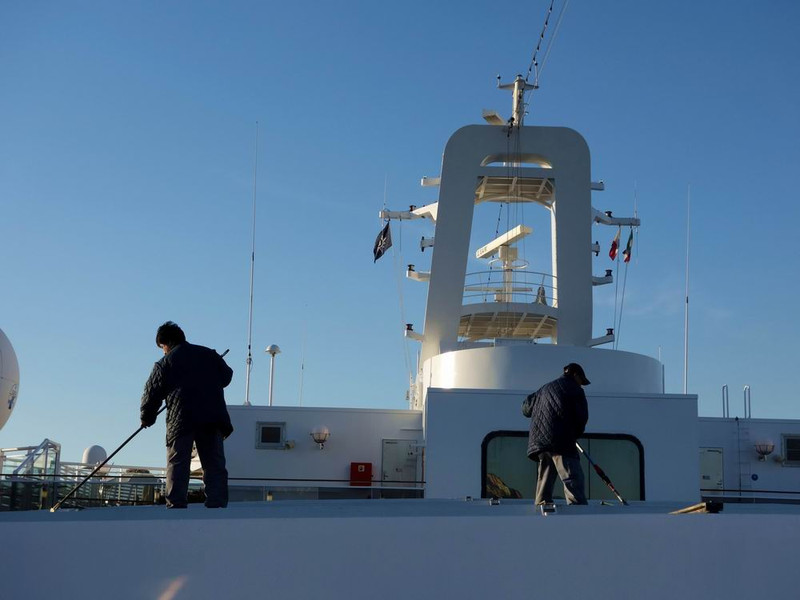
(764, 449)
(320, 435)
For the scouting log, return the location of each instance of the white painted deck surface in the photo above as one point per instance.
(400, 549)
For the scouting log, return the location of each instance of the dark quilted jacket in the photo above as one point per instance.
(190, 378)
(558, 417)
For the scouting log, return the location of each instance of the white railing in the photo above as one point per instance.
(37, 460)
(510, 285)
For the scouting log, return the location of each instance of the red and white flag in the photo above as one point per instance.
(614, 245)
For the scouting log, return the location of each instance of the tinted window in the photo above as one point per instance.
(509, 473)
(270, 435)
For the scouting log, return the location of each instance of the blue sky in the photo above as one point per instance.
(126, 184)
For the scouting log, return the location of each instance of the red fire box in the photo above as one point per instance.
(360, 473)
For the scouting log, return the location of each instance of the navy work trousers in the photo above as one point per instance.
(212, 457)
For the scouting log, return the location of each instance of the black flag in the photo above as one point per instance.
(383, 242)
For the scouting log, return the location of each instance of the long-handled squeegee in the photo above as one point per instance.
(602, 475)
(58, 504)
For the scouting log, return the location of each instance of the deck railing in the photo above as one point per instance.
(518, 285)
(127, 486)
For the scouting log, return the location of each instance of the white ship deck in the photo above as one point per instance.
(401, 549)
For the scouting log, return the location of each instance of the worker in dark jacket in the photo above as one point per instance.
(190, 379)
(559, 413)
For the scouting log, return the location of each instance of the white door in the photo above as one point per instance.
(400, 463)
(711, 471)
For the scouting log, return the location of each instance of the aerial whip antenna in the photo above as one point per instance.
(252, 272)
(303, 360)
(686, 308)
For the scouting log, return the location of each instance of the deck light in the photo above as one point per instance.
(320, 435)
(764, 449)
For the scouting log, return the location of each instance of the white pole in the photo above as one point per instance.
(271, 376)
(272, 350)
(252, 272)
(686, 309)
(302, 362)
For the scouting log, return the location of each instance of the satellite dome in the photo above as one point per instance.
(9, 379)
(94, 455)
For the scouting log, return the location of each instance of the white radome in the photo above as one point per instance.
(9, 378)
(94, 455)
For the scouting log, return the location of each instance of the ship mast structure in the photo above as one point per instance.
(518, 332)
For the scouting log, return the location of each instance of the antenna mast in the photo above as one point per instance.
(252, 271)
(520, 86)
(686, 309)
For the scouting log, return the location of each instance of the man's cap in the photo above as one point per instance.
(576, 369)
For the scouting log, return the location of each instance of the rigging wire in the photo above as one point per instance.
(491, 267)
(625, 277)
(397, 260)
(534, 63)
(616, 288)
(621, 304)
(550, 43)
(535, 67)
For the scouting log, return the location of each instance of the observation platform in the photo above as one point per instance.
(501, 188)
(515, 304)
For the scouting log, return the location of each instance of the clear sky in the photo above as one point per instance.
(127, 134)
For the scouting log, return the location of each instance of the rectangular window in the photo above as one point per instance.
(791, 449)
(270, 435)
(509, 473)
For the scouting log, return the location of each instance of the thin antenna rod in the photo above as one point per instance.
(252, 272)
(303, 360)
(686, 308)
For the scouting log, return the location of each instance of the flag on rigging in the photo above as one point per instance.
(627, 252)
(614, 245)
(383, 242)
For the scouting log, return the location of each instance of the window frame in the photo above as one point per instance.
(586, 436)
(280, 445)
(785, 437)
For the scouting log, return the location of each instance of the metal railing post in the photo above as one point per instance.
(747, 406)
(726, 408)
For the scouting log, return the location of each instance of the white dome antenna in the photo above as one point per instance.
(93, 456)
(9, 379)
